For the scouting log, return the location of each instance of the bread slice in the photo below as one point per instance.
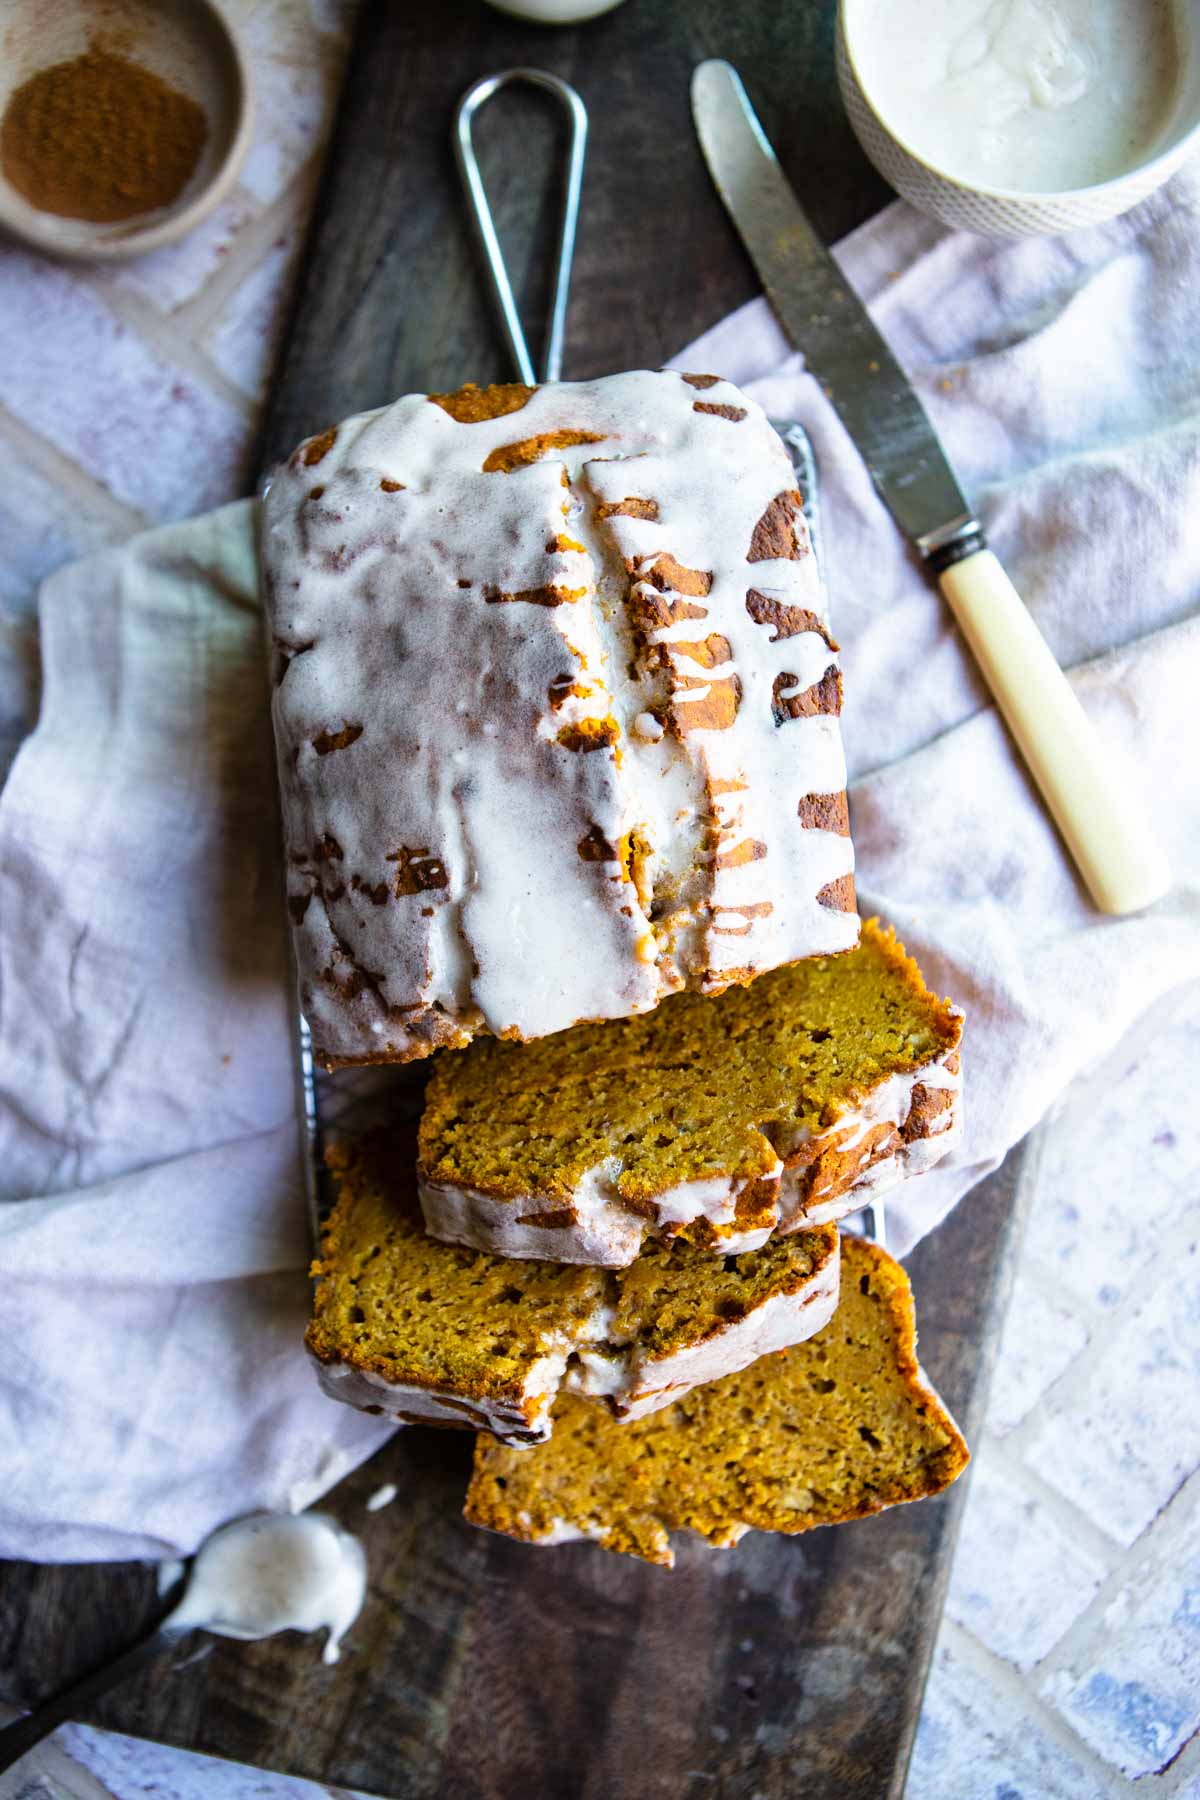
(790, 1102)
(427, 1333)
(835, 1428)
(556, 711)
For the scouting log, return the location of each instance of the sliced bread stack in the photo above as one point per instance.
(557, 717)
(839, 1426)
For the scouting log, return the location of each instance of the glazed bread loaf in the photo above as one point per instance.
(556, 709)
(841, 1426)
(428, 1334)
(790, 1102)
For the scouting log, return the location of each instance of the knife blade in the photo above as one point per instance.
(824, 318)
(1084, 789)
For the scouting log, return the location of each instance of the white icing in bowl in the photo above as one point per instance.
(1035, 95)
(987, 205)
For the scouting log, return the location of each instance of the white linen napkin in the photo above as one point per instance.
(153, 1380)
(152, 1298)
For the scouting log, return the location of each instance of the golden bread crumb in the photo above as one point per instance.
(398, 1304)
(699, 1088)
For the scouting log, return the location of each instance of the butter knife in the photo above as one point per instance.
(1085, 792)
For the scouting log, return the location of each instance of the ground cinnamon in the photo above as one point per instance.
(100, 138)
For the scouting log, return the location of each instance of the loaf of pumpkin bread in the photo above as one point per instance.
(556, 708)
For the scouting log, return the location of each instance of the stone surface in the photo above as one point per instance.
(1103, 1686)
(1020, 1577)
(170, 277)
(977, 1741)
(1100, 1226)
(135, 1770)
(296, 51)
(1041, 1340)
(145, 429)
(1121, 1440)
(1132, 1689)
(246, 335)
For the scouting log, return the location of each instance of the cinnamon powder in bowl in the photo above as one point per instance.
(122, 122)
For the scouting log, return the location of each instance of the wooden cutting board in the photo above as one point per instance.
(481, 1668)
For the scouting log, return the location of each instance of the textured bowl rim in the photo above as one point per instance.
(25, 225)
(1165, 161)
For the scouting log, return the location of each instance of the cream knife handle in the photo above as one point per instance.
(1086, 792)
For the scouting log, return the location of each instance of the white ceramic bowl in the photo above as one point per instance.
(1006, 212)
(189, 43)
(555, 12)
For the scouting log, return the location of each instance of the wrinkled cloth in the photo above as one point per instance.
(154, 1242)
(153, 1252)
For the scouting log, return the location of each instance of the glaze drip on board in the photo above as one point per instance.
(275, 1572)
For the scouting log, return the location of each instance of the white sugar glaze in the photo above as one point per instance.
(561, 1532)
(453, 864)
(604, 1230)
(275, 1572)
(525, 1420)
(1032, 95)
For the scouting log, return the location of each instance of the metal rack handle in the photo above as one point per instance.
(468, 168)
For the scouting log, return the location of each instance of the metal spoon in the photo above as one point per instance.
(73, 1701)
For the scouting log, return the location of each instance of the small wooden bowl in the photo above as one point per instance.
(188, 43)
